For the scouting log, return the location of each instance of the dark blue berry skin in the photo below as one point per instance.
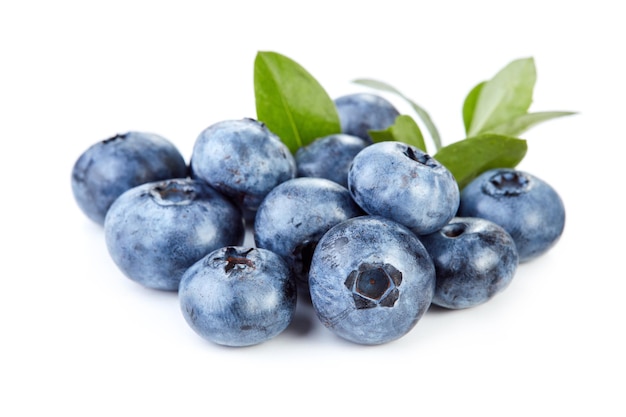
(294, 216)
(371, 280)
(243, 159)
(329, 157)
(110, 167)
(155, 231)
(238, 296)
(361, 112)
(475, 259)
(402, 183)
(528, 208)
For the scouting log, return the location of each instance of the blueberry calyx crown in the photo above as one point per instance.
(374, 284)
(453, 230)
(507, 183)
(258, 122)
(173, 192)
(235, 259)
(420, 157)
(118, 136)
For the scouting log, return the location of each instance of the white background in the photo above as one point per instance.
(80, 339)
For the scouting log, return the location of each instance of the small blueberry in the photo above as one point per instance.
(329, 157)
(361, 112)
(155, 231)
(528, 208)
(371, 280)
(295, 215)
(238, 296)
(110, 167)
(475, 259)
(242, 159)
(400, 182)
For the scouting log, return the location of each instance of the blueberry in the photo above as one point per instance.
(361, 112)
(294, 216)
(238, 296)
(110, 167)
(329, 157)
(528, 208)
(402, 183)
(371, 280)
(243, 159)
(475, 259)
(155, 231)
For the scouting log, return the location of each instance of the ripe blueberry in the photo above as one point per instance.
(155, 231)
(238, 296)
(295, 215)
(400, 182)
(329, 157)
(474, 258)
(243, 159)
(361, 112)
(110, 167)
(528, 208)
(371, 280)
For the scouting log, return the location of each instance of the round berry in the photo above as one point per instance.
(528, 208)
(329, 157)
(238, 296)
(110, 167)
(400, 182)
(475, 259)
(371, 280)
(243, 159)
(155, 231)
(294, 216)
(361, 112)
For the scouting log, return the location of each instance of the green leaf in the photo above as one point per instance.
(423, 114)
(291, 102)
(469, 158)
(507, 95)
(522, 123)
(404, 129)
(469, 105)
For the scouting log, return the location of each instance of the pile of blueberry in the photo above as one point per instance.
(371, 234)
